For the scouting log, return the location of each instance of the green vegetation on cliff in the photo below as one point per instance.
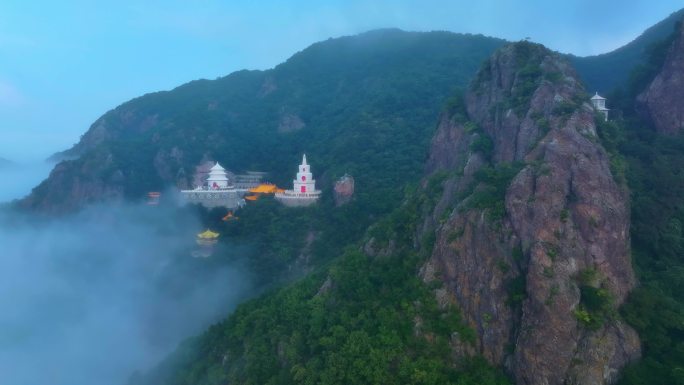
(364, 320)
(656, 307)
(652, 164)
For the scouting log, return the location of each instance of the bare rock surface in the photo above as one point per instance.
(515, 267)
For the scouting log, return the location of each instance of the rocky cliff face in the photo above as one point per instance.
(532, 229)
(662, 102)
(343, 190)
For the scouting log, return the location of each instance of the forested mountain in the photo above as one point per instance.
(342, 101)
(364, 105)
(524, 241)
(500, 240)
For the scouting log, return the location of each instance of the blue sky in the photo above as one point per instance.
(65, 63)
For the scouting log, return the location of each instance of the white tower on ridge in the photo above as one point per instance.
(218, 178)
(303, 191)
(599, 103)
(305, 182)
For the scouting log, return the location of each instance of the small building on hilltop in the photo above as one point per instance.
(304, 191)
(599, 103)
(217, 191)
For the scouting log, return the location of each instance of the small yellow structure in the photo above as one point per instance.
(207, 238)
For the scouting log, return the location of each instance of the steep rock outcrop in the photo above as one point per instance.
(531, 210)
(343, 190)
(662, 102)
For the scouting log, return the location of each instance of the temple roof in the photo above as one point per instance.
(264, 188)
(597, 97)
(208, 234)
(217, 167)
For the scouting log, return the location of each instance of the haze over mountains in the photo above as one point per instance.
(21, 178)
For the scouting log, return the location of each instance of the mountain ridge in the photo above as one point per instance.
(604, 72)
(265, 119)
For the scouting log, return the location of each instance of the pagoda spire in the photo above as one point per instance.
(304, 160)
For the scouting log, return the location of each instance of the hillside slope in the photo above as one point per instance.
(343, 101)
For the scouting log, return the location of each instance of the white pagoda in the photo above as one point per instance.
(218, 177)
(218, 191)
(304, 191)
(599, 103)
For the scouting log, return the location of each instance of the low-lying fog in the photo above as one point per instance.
(91, 298)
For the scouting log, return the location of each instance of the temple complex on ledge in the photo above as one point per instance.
(304, 191)
(218, 191)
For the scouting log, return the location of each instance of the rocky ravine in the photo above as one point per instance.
(526, 275)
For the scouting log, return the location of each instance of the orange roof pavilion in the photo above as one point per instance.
(264, 188)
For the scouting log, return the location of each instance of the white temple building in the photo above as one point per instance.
(599, 103)
(218, 191)
(304, 191)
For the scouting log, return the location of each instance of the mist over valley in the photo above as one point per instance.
(92, 297)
